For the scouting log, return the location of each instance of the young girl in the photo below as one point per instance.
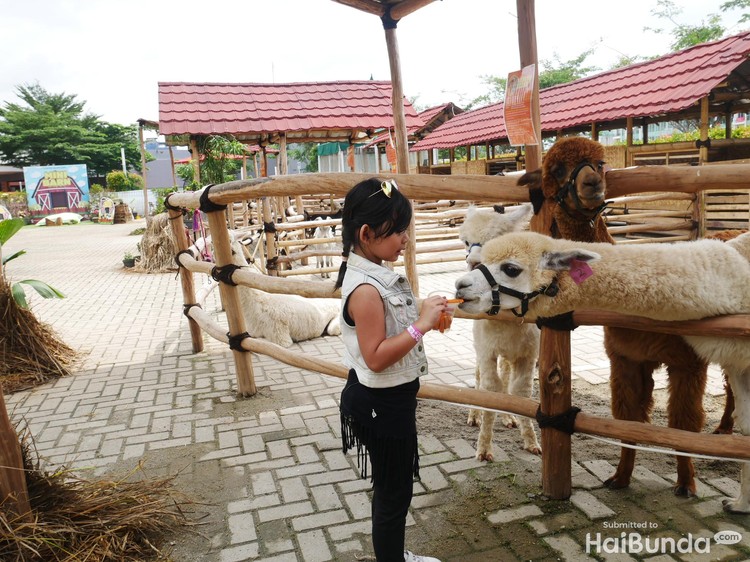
(382, 332)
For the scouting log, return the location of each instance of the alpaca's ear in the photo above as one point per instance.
(531, 179)
(563, 261)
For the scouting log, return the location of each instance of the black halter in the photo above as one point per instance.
(569, 188)
(548, 290)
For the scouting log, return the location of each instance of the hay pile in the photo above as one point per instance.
(30, 351)
(158, 246)
(75, 520)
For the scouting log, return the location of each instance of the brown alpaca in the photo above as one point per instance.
(572, 178)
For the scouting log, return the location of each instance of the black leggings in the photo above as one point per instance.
(389, 438)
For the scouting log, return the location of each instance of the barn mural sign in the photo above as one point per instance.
(57, 189)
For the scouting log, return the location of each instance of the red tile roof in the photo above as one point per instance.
(470, 127)
(668, 84)
(426, 116)
(251, 110)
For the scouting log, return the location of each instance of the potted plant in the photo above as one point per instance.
(128, 259)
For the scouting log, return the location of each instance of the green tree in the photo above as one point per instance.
(307, 153)
(737, 5)
(218, 165)
(52, 129)
(555, 71)
(118, 180)
(683, 35)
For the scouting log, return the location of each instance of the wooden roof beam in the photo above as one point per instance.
(369, 6)
(398, 10)
(406, 7)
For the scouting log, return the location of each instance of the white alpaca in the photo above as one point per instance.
(324, 231)
(680, 281)
(515, 346)
(284, 319)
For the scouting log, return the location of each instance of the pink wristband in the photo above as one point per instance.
(414, 332)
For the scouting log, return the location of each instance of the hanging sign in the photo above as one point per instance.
(517, 107)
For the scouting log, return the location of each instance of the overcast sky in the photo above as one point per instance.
(112, 53)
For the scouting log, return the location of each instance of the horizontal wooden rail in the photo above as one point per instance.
(731, 446)
(624, 181)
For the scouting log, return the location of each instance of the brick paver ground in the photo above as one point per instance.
(270, 468)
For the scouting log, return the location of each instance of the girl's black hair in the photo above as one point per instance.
(367, 204)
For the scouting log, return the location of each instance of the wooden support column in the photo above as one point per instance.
(283, 159)
(628, 140)
(594, 132)
(171, 165)
(728, 121)
(402, 147)
(700, 197)
(644, 130)
(144, 170)
(14, 493)
(554, 357)
(195, 157)
(186, 276)
(263, 162)
(230, 300)
(271, 253)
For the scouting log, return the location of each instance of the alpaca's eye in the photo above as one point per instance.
(600, 165)
(510, 270)
(466, 243)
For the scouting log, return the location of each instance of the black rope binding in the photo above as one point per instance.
(224, 273)
(235, 342)
(169, 206)
(561, 323)
(186, 308)
(177, 257)
(208, 206)
(700, 143)
(387, 19)
(269, 226)
(564, 422)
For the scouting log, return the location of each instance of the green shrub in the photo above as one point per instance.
(120, 181)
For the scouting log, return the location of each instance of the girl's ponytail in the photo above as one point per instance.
(342, 269)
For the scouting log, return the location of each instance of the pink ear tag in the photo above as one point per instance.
(580, 271)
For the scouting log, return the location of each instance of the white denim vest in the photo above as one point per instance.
(400, 309)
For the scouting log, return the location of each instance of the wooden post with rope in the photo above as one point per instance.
(186, 277)
(230, 299)
(555, 388)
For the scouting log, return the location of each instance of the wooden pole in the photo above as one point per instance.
(186, 276)
(171, 166)
(230, 300)
(555, 389)
(14, 493)
(196, 159)
(144, 170)
(402, 147)
(700, 199)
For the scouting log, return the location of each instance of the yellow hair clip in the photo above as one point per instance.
(386, 186)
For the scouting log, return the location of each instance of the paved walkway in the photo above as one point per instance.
(269, 468)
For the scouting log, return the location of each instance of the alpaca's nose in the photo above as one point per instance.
(462, 283)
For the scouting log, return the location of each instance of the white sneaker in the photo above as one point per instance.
(411, 557)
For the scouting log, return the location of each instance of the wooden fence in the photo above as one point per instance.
(621, 183)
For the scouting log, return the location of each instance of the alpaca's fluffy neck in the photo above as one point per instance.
(662, 283)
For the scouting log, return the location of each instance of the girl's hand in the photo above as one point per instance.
(432, 308)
